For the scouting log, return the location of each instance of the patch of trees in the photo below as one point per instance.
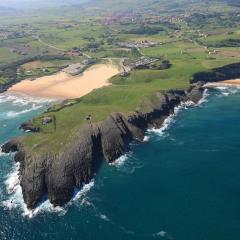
(231, 71)
(9, 71)
(94, 44)
(227, 43)
(145, 30)
(200, 19)
(232, 2)
(161, 65)
(171, 26)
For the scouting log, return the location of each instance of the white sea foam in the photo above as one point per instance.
(160, 234)
(104, 217)
(204, 97)
(146, 139)
(226, 91)
(171, 118)
(28, 103)
(167, 122)
(12, 179)
(120, 161)
(163, 234)
(12, 114)
(4, 154)
(22, 100)
(14, 190)
(162, 130)
(221, 88)
(80, 193)
(15, 199)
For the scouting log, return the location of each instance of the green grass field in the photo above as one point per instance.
(186, 49)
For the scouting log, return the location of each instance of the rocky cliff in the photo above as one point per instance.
(57, 175)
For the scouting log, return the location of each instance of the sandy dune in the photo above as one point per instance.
(64, 86)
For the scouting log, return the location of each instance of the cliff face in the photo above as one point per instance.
(57, 175)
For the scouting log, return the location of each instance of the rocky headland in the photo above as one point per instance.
(58, 174)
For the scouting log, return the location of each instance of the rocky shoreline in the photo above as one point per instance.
(58, 174)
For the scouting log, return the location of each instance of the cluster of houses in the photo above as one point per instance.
(77, 68)
(76, 52)
(6, 34)
(142, 62)
(140, 44)
(14, 31)
(139, 63)
(122, 18)
(163, 19)
(139, 17)
(74, 69)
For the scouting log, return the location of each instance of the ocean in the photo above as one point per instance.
(183, 183)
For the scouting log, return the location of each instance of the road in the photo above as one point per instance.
(56, 48)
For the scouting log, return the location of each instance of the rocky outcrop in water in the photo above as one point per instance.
(29, 127)
(58, 174)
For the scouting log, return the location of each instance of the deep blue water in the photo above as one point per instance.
(183, 184)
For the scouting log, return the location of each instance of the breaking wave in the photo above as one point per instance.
(12, 114)
(15, 199)
(162, 234)
(25, 103)
(127, 163)
(205, 96)
(22, 100)
(170, 119)
(224, 91)
(120, 161)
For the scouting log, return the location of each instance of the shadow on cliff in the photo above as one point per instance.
(228, 72)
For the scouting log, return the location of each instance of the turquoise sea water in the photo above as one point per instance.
(183, 183)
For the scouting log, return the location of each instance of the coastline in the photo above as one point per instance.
(227, 83)
(107, 140)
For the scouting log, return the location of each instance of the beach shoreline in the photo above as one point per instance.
(226, 83)
(64, 86)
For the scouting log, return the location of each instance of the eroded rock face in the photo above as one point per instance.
(57, 174)
(195, 92)
(29, 127)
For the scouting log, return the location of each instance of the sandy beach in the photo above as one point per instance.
(65, 86)
(232, 82)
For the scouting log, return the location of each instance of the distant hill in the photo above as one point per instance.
(112, 5)
(169, 5)
(6, 11)
(33, 4)
(233, 2)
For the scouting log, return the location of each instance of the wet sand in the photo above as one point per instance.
(65, 86)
